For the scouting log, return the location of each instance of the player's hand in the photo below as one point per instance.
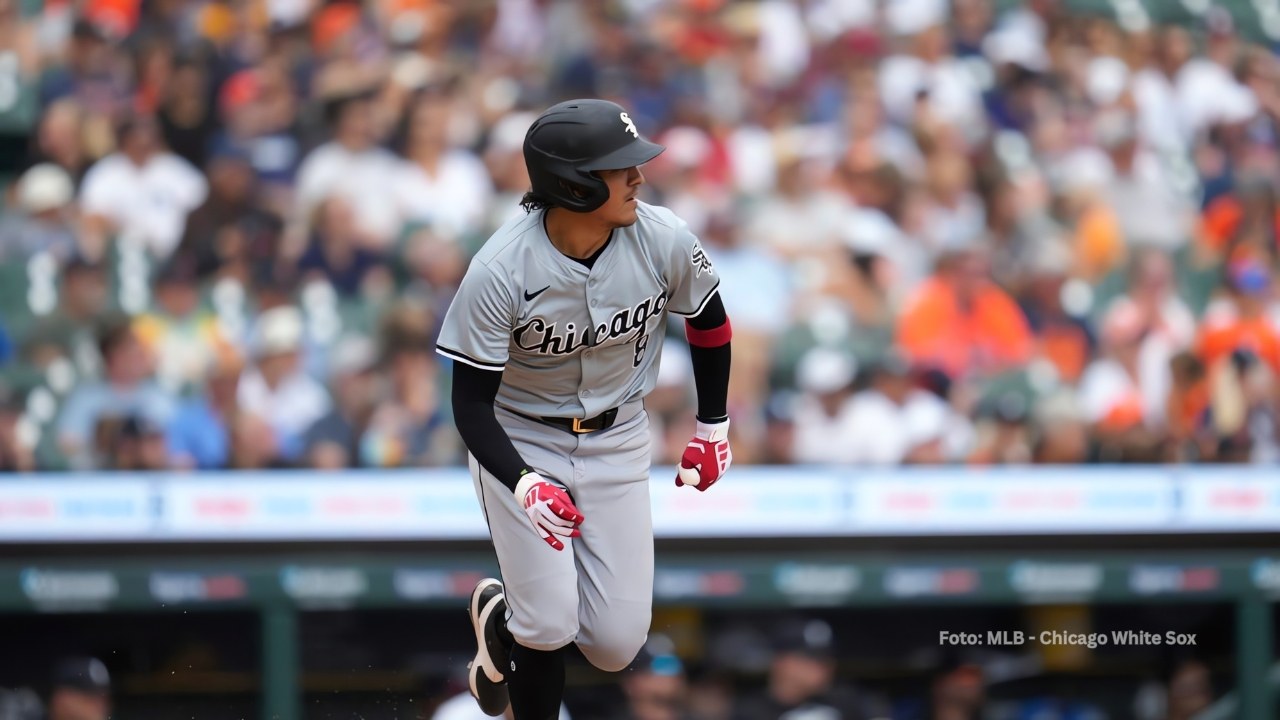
(549, 508)
(707, 457)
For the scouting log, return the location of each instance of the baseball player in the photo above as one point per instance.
(555, 334)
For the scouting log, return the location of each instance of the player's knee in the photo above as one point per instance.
(548, 624)
(612, 646)
(552, 631)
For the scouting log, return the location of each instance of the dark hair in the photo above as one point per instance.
(114, 333)
(334, 107)
(533, 201)
(131, 122)
(1172, 664)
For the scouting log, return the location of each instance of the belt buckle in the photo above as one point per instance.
(577, 426)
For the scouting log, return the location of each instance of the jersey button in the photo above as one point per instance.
(591, 283)
(595, 302)
(585, 393)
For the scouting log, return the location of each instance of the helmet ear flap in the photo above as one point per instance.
(577, 191)
(576, 196)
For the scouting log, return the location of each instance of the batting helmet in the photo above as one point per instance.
(572, 140)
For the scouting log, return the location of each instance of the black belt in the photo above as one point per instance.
(577, 426)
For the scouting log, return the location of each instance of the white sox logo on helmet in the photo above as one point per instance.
(630, 126)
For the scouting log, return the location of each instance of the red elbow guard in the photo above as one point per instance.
(715, 337)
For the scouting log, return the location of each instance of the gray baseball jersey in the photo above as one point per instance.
(576, 341)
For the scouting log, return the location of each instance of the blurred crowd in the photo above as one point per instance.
(792, 671)
(796, 670)
(950, 231)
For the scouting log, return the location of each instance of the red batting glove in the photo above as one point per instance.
(549, 508)
(707, 458)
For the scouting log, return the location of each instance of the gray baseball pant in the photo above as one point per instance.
(598, 591)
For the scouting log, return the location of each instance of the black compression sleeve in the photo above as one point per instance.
(712, 316)
(711, 365)
(473, 393)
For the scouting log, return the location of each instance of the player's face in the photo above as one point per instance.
(620, 209)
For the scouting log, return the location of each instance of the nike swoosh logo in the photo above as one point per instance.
(531, 295)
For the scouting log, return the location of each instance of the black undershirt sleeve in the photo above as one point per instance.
(473, 393)
(711, 365)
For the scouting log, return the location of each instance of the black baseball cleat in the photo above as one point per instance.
(485, 672)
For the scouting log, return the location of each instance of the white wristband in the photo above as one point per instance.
(713, 432)
(527, 481)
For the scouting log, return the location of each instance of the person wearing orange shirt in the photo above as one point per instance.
(1241, 324)
(1251, 208)
(962, 322)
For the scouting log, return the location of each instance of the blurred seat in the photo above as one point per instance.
(15, 306)
(1196, 278)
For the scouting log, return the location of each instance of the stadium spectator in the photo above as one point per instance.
(1117, 391)
(890, 418)
(1151, 210)
(802, 678)
(799, 215)
(952, 215)
(230, 234)
(187, 121)
(94, 410)
(442, 186)
(962, 322)
(435, 265)
(1190, 690)
(925, 79)
(1063, 338)
(1002, 432)
(69, 332)
(1238, 320)
(654, 686)
(352, 166)
(757, 294)
(139, 445)
(880, 275)
(1089, 219)
(821, 417)
(81, 690)
(46, 222)
(333, 441)
(1153, 292)
(199, 434)
(1061, 435)
(62, 138)
(254, 445)
(1248, 209)
(338, 253)
(504, 159)
(958, 692)
(88, 72)
(275, 389)
(142, 192)
(259, 107)
(15, 454)
(181, 334)
(410, 427)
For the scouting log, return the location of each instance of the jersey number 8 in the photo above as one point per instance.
(642, 343)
